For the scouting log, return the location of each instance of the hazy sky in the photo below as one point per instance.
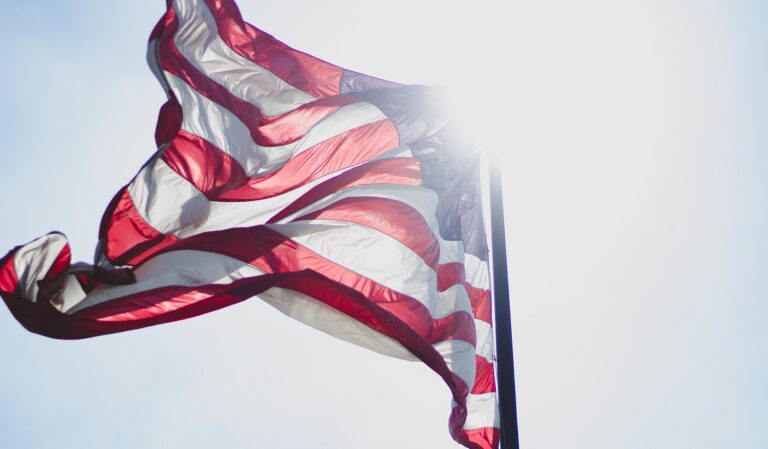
(635, 151)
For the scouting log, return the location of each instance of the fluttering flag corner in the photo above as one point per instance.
(341, 199)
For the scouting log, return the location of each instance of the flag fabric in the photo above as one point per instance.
(340, 199)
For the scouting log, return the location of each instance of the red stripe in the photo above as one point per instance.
(291, 126)
(339, 152)
(128, 239)
(481, 302)
(449, 274)
(302, 71)
(391, 217)
(9, 280)
(126, 227)
(206, 167)
(483, 438)
(61, 263)
(403, 171)
(484, 376)
(152, 303)
(144, 250)
(456, 326)
(44, 320)
(168, 122)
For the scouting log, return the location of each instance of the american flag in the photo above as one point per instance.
(341, 199)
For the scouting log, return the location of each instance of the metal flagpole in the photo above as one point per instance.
(505, 367)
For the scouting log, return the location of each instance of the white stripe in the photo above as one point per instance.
(198, 40)
(421, 199)
(165, 200)
(310, 311)
(379, 257)
(69, 295)
(232, 214)
(185, 268)
(484, 339)
(476, 271)
(453, 299)
(216, 124)
(33, 260)
(154, 66)
(482, 411)
(460, 358)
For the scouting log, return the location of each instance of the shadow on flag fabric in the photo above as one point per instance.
(340, 199)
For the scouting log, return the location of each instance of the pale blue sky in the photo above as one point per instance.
(635, 151)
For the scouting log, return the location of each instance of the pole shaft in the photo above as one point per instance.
(505, 366)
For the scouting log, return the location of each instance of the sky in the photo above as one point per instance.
(634, 152)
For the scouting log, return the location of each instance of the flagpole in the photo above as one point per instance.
(505, 366)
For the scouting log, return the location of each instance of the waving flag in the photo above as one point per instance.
(341, 199)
